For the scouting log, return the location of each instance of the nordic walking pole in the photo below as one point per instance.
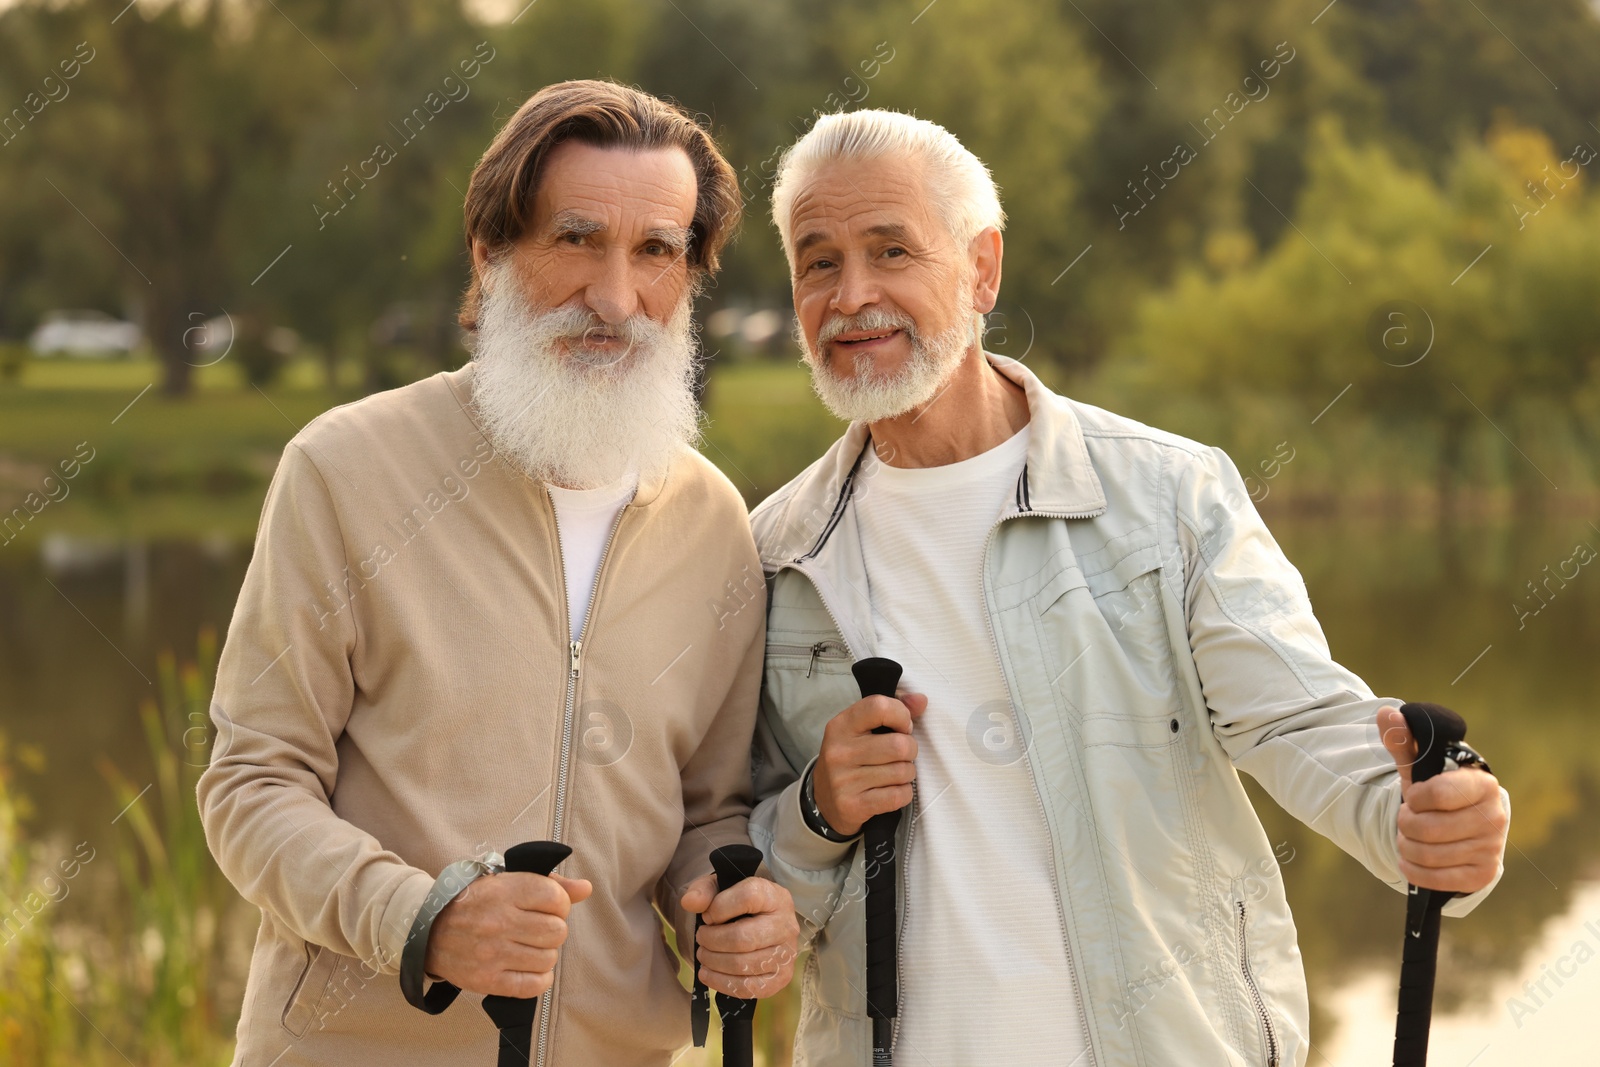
(879, 677)
(514, 1015)
(1441, 746)
(733, 864)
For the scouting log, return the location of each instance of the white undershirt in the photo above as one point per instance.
(984, 969)
(584, 518)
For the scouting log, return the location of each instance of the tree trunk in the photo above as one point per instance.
(164, 327)
(1451, 447)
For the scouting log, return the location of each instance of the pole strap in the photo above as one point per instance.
(452, 881)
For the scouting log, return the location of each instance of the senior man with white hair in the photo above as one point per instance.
(476, 615)
(1097, 633)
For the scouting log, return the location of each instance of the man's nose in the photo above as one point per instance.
(613, 294)
(856, 290)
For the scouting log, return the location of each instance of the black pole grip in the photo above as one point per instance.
(879, 677)
(514, 1016)
(1434, 727)
(733, 864)
(536, 857)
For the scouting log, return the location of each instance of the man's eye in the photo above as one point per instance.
(655, 248)
(819, 264)
(573, 238)
(895, 252)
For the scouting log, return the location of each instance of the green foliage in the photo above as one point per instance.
(149, 976)
(206, 140)
(763, 426)
(179, 898)
(1508, 330)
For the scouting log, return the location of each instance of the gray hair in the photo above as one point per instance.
(960, 187)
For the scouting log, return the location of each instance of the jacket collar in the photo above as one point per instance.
(1058, 479)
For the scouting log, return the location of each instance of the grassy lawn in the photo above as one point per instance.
(200, 465)
(765, 425)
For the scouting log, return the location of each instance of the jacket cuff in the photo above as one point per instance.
(796, 843)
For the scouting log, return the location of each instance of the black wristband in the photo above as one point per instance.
(813, 814)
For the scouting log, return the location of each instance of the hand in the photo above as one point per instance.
(1452, 831)
(750, 938)
(502, 933)
(860, 774)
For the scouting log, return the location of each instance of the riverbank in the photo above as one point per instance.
(200, 465)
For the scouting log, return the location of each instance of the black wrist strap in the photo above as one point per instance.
(414, 957)
(812, 814)
(699, 995)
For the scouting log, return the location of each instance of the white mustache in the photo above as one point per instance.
(582, 325)
(870, 319)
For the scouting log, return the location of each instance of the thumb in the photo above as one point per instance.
(1400, 744)
(578, 889)
(697, 898)
(916, 703)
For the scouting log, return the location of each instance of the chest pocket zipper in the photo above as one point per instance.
(1259, 1002)
(827, 650)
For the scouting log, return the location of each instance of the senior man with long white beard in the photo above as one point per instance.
(1097, 633)
(477, 615)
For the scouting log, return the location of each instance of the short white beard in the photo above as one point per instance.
(870, 396)
(576, 419)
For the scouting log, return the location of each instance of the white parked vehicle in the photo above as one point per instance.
(84, 333)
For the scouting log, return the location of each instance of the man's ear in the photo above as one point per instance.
(987, 250)
(480, 259)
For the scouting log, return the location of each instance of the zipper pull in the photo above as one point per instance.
(577, 650)
(816, 650)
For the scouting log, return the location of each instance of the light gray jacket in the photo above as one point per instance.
(1155, 641)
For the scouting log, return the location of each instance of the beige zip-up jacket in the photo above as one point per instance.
(398, 691)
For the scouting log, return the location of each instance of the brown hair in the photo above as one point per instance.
(500, 196)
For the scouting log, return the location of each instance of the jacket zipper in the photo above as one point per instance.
(825, 649)
(1255, 992)
(902, 872)
(574, 657)
(1055, 881)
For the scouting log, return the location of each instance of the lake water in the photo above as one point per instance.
(1422, 611)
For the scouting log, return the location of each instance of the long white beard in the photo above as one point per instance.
(871, 395)
(582, 420)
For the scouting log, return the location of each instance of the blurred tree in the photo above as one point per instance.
(369, 202)
(302, 162)
(1435, 304)
(138, 170)
(1438, 71)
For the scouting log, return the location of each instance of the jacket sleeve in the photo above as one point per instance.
(716, 780)
(812, 868)
(283, 694)
(1284, 711)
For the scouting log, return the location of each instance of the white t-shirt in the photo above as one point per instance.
(984, 969)
(584, 518)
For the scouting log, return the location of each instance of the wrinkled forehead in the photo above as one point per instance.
(623, 189)
(857, 200)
